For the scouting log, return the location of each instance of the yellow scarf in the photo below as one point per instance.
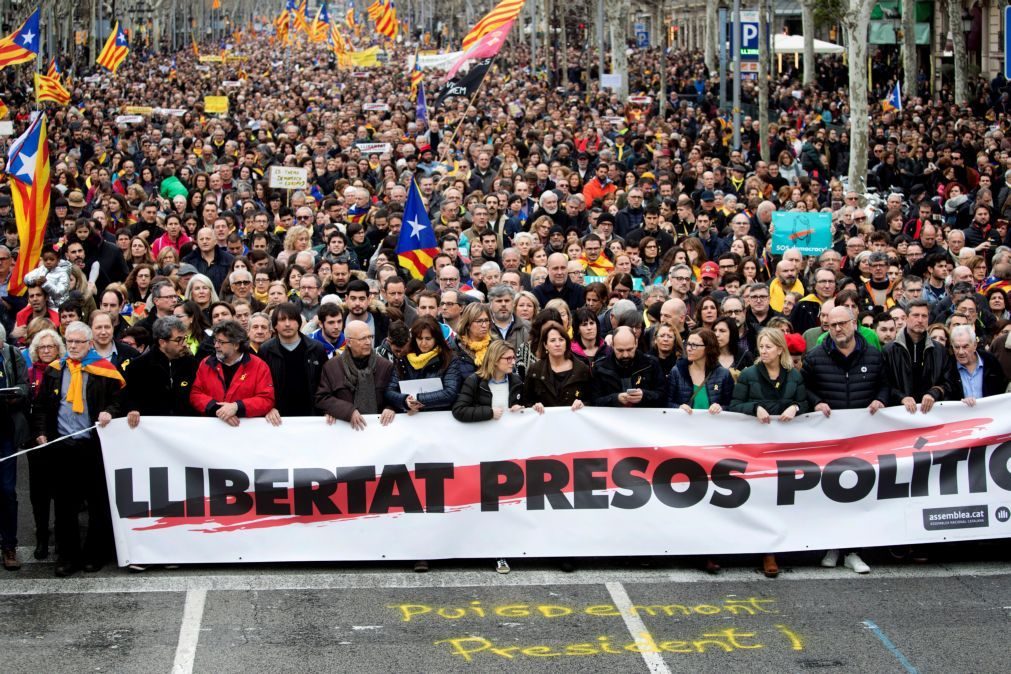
(93, 365)
(419, 361)
(478, 348)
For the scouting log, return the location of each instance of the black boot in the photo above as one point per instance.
(42, 546)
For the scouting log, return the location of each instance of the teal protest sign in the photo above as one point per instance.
(811, 233)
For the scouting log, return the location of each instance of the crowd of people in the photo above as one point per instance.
(591, 254)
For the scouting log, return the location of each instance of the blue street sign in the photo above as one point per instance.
(641, 35)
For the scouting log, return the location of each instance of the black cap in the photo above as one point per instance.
(707, 196)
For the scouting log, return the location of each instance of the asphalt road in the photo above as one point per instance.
(629, 615)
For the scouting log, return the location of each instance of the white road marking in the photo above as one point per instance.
(636, 628)
(189, 632)
(234, 579)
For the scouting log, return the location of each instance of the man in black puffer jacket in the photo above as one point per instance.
(844, 371)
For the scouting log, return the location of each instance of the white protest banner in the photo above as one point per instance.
(287, 177)
(170, 112)
(232, 84)
(595, 482)
(374, 148)
(610, 81)
(376, 107)
(6, 128)
(129, 119)
(435, 61)
(92, 79)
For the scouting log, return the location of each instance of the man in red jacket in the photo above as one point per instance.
(232, 383)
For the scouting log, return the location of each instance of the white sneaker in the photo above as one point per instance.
(831, 559)
(502, 566)
(853, 561)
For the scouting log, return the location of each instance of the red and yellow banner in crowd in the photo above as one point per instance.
(596, 482)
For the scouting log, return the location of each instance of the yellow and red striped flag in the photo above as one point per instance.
(388, 24)
(115, 50)
(28, 169)
(375, 10)
(502, 13)
(54, 69)
(50, 89)
(3, 109)
(196, 49)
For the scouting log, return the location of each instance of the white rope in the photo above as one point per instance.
(51, 442)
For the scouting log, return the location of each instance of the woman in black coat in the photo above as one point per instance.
(492, 389)
(489, 392)
(429, 357)
(558, 379)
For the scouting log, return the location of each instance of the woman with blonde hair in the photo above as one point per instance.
(297, 239)
(489, 392)
(771, 387)
(44, 348)
(474, 337)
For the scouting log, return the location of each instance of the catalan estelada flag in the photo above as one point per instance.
(54, 69)
(502, 13)
(50, 89)
(349, 16)
(375, 10)
(320, 25)
(301, 19)
(196, 49)
(894, 100)
(387, 24)
(28, 170)
(22, 45)
(115, 50)
(416, 76)
(416, 247)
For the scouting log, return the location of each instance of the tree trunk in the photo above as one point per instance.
(961, 56)
(909, 68)
(617, 22)
(807, 25)
(857, 20)
(763, 78)
(563, 43)
(712, 36)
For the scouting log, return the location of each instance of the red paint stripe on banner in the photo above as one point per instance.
(464, 489)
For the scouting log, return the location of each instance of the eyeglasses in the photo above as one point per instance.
(733, 312)
(46, 346)
(839, 324)
(242, 283)
(77, 341)
(221, 342)
(182, 340)
(693, 345)
(508, 358)
(682, 278)
(482, 321)
(759, 297)
(449, 304)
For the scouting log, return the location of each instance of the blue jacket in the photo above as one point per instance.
(719, 385)
(434, 400)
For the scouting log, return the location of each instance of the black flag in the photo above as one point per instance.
(465, 85)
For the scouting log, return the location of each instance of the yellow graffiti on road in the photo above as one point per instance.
(728, 640)
(475, 609)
